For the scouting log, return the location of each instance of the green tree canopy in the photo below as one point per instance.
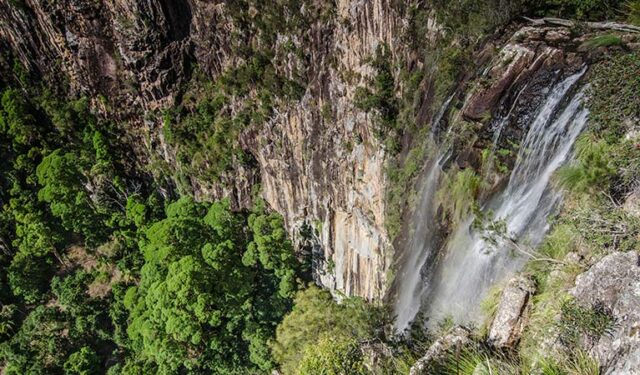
(198, 307)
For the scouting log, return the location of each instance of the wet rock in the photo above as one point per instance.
(456, 338)
(614, 283)
(508, 324)
(514, 60)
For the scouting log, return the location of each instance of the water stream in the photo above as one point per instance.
(467, 266)
(421, 246)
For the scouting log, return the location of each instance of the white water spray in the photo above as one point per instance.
(470, 266)
(420, 248)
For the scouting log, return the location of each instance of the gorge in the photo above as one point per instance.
(319, 187)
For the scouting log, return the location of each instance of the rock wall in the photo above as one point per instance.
(318, 162)
(329, 170)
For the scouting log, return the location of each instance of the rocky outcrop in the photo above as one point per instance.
(510, 318)
(614, 284)
(530, 53)
(456, 339)
(328, 170)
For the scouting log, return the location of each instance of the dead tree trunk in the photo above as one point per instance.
(592, 25)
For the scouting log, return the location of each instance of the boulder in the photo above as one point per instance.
(614, 282)
(508, 324)
(456, 338)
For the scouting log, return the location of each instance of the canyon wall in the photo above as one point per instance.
(318, 163)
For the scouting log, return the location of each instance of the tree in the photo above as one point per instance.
(316, 316)
(63, 189)
(83, 362)
(332, 355)
(272, 248)
(198, 307)
(40, 345)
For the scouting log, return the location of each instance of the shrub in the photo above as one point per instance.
(582, 9)
(83, 362)
(315, 317)
(632, 10)
(332, 355)
(460, 192)
(578, 322)
(592, 168)
(382, 99)
(608, 40)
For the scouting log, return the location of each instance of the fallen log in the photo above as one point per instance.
(593, 25)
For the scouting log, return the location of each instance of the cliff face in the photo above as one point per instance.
(317, 159)
(328, 170)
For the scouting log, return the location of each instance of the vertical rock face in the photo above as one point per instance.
(329, 168)
(318, 161)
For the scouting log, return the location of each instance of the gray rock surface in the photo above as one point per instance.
(508, 324)
(631, 204)
(375, 353)
(457, 337)
(614, 282)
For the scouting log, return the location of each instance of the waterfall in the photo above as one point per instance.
(468, 266)
(421, 247)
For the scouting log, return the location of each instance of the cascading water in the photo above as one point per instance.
(469, 265)
(421, 247)
(424, 235)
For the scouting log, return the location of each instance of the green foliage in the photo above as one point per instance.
(273, 249)
(201, 304)
(459, 192)
(490, 304)
(578, 323)
(472, 19)
(83, 362)
(383, 98)
(203, 128)
(63, 190)
(29, 274)
(606, 160)
(602, 41)
(632, 10)
(16, 119)
(582, 9)
(592, 167)
(40, 345)
(315, 317)
(397, 192)
(474, 359)
(332, 356)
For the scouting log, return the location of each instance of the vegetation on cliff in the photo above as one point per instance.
(104, 270)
